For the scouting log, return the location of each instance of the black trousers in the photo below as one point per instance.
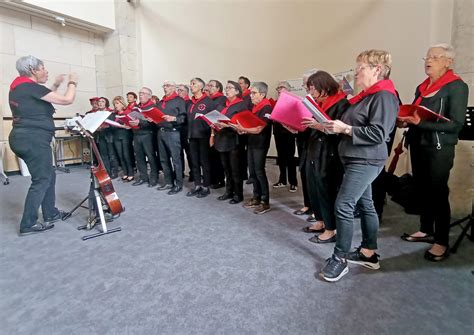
(33, 146)
(243, 142)
(169, 143)
(122, 147)
(144, 149)
(185, 149)
(217, 171)
(105, 143)
(256, 160)
(431, 169)
(285, 147)
(199, 150)
(233, 178)
(322, 189)
(301, 145)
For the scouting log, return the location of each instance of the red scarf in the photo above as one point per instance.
(258, 107)
(216, 95)
(129, 107)
(195, 101)
(228, 103)
(332, 100)
(272, 102)
(20, 80)
(445, 79)
(146, 104)
(168, 98)
(246, 92)
(383, 85)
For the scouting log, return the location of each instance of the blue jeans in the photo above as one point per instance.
(356, 190)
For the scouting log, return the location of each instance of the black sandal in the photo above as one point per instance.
(434, 258)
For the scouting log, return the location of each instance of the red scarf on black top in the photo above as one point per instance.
(216, 95)
(20, 80)
(258, 107)
(195, 101)
(228, 103)
(445, 79)
(246, 92)
(332, 100)
(148, 103)
(382, 85)
(168, 98)
(130, 107)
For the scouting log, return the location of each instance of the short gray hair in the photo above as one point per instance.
(448, 49)
(309, 72)
(147, 89)
(26, 64)
(261, 87)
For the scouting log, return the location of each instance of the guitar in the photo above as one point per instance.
(105, 183)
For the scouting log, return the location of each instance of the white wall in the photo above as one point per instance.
(98, 12)
(273, 40)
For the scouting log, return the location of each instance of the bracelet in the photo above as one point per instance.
(212, 135)
(72, 83)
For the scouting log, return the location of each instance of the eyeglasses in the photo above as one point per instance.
(143, 93)
(280, 88)
(362, 67)
(254, 92)
(167, 85)
(434, 57)
(229, 88)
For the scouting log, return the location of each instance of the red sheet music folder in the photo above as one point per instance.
(155, 114)
(247, 119)
(290, 111)
(423, 112)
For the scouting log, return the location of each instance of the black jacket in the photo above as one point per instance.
(174, 107)
(372, 120)
(199, 128)
(321, 147)
(227, 139)
(451, 102)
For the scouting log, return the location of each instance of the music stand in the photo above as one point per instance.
(94, 197)
(466, 134)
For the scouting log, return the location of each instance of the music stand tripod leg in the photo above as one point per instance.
(103, 223)
(464, 231)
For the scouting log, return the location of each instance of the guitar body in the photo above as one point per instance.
(105, 183)
(107, 189)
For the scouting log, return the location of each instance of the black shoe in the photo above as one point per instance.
(301, 212)
(191, 179)
(316, 239)
(36, 228)
(59, 216)
(236, 200)
(194, 192)
(312, 231)
(175, 189)
(248, 182)
(138, 182)
(218, 185)
(113, 175)
(356, 257)
(424, 239)
(165, 187)
(434, 258)
(152, 184)
(335, 269)
(225, 196)
(311, 218)
(204, 192)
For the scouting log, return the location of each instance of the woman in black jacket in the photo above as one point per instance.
(226, 142)
(432, 147)
(323, 167)
(123, 140)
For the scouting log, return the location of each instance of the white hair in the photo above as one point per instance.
(169, 82)
(25, 65)
(448, 49)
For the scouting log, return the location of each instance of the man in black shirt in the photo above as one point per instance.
(143, 138)
(199, 133)
(30, 138)
(169, 141)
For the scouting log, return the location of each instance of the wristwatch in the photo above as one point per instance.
(347, 130)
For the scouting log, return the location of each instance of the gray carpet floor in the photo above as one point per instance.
(200, 266)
